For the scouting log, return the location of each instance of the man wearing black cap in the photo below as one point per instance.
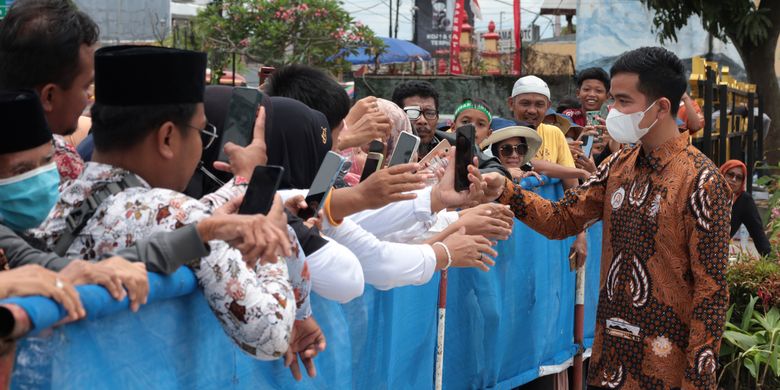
(148, 120)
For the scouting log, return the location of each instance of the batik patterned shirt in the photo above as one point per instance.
(663, 293)
(256, 307)
(69, 163)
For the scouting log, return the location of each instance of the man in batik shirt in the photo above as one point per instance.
(151, 131)
(665, 208)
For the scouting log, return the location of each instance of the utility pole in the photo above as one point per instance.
(397, 8)
(390, 21)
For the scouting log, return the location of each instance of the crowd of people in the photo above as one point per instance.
(147, 191)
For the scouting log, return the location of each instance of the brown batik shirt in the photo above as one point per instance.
(663, 293)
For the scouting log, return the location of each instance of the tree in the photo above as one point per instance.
(752, 28)
(315, 32)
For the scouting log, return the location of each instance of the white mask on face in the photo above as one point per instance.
(624, 128)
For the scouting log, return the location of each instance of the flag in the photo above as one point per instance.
(476, 10)
(457, 23)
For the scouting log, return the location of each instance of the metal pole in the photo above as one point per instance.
(397, 8)
(751, 144)
(579, 320)
(440, 330)
(708, 102)
(234, 69)
(723, 96)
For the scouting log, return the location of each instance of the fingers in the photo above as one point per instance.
(295, 369)
(222, 166)
(258, 133)
(308, 363)
(66, 295)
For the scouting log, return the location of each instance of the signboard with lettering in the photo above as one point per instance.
(433, 25)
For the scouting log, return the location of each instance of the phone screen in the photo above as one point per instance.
(405, 147)
(373, 162)
(587, 145)
(464, 156)
(259, 195)
(240, 120)
(323, 182)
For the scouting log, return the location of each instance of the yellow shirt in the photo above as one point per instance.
(554, 147)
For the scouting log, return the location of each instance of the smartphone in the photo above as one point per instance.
(587, 144)
(373, 162)
(591, 117)
(323, 182)
(442, 147)
(264, 72)
(464, 155)
(262, 187)
(240, 120)
(376, 147)
(405, 147)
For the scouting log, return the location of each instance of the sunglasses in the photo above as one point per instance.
(414, 112)
(509, 150)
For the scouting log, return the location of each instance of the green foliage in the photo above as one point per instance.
(750, 277)
(739, 20)
(283, 32)
(752, 345)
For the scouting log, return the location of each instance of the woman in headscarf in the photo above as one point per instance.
(743, 209)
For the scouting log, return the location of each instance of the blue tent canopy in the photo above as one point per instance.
(396, 50)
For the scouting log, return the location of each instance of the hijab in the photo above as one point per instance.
(297, 140)
(731, 164)
(399, 123)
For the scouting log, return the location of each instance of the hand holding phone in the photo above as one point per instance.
(262, 187)
(240, 120)
(587, 145)
(405, 147)
(464, 155)
(322, 185)
(373, 162)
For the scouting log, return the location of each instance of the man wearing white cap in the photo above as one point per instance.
(529, 102)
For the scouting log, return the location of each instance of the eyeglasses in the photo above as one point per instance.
(508, 150)
(413, 113)
(735, 176)
(207, 134)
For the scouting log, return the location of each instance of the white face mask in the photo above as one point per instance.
(624, 128)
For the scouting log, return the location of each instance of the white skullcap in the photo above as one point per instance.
(531, 84)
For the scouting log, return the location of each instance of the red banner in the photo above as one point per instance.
(517, 64)
(457, 22)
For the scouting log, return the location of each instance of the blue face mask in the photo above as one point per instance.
(27, 199)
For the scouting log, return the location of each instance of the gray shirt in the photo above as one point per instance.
(163, 252)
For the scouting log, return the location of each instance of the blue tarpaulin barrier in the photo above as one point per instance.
(502, 326)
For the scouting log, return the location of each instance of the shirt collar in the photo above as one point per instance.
(99, 172)
(658, 158)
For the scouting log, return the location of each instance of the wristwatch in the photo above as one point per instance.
(527, 167)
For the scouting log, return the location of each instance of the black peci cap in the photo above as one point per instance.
(24, 125)
(148, 75)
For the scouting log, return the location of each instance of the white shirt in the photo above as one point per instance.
(336, 273)
(385, 264)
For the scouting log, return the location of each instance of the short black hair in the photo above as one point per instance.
(117, 128)
(411, 88)
(40, 42)
(567, 103)
(594, 73)
(661, 73)
(312, 87)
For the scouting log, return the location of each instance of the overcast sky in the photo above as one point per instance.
(375, 14)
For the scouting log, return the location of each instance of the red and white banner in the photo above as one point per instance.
(517, 64)
(476, 9)
(457, 22)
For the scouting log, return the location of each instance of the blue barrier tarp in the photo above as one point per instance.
(501, 327)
